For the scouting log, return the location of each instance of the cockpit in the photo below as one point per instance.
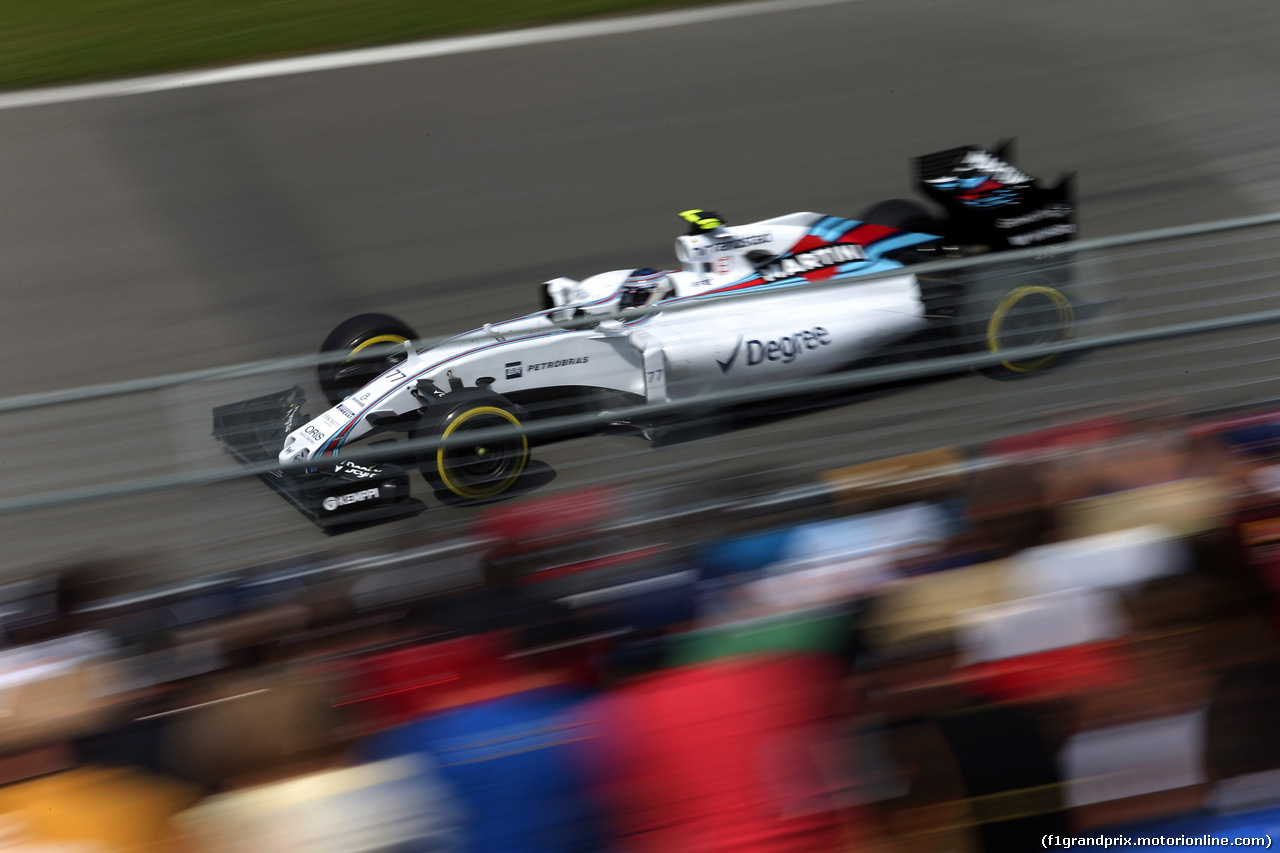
(644, 287)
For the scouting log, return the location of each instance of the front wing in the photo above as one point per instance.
(338, 496)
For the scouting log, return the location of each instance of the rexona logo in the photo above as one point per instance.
(333, 502)
(1039, 235)
(827, 256)
(785, 349)
(728, 244)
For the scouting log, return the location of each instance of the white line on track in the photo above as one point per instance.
(400, 52)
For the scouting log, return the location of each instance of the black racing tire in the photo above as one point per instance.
(900, 213)
(1028, 315)
(371, 344)
(480, 470)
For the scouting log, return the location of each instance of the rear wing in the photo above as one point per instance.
(991, 202)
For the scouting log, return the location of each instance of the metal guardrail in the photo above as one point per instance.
(552, 426)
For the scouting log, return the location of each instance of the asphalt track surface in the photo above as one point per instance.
(219, 224)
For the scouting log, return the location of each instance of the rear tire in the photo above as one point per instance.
(903, 214)
(371, 344)
(467, 469)
(984, 318)
(1029, 315)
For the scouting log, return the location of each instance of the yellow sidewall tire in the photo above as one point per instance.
(379, 339)
(359, 338)
(1066, 322)
(491, 489)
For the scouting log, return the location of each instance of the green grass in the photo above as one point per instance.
(58, 41)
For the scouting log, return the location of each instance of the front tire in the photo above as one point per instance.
(479, 469)
(371, 344)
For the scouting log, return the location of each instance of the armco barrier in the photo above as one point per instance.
(553, 426)
(402, 575)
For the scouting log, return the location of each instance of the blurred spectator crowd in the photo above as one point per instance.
(1058, 633)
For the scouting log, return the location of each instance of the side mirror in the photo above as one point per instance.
(611, 328)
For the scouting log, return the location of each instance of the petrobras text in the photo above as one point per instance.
(562, 362)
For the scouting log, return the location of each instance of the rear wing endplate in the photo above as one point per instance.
(991, 202)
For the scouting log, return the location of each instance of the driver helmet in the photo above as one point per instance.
(643, 287)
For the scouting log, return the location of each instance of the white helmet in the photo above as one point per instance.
(644, 286)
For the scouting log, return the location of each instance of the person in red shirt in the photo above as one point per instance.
(731, 755)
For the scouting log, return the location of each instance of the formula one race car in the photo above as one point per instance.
(578, 348)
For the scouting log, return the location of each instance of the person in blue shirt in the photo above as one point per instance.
(507, 742)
